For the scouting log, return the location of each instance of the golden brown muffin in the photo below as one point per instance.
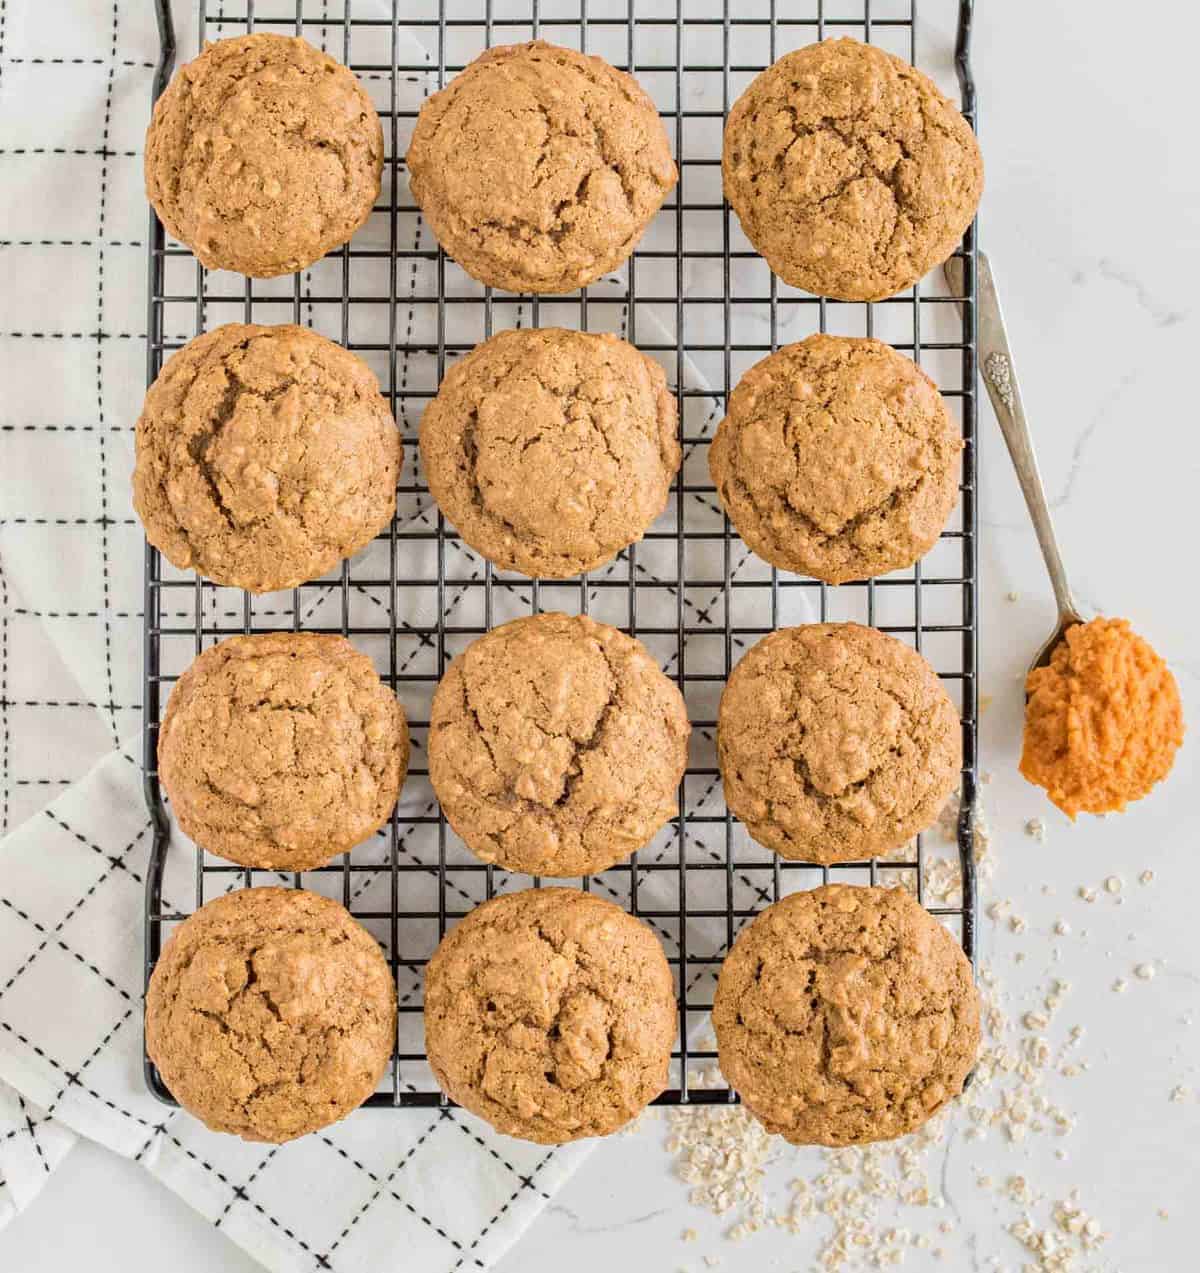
(1103, 720)
(845, 1015)
(551, 450)
(539, 168)
(283, 750)
(270, 1013)
(556, 745)
(264, 456)
(551, 1014)
(838, 459)
(836, 743)
(263, 155)
(849, 171)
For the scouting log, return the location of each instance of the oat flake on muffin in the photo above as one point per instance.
(539, 168)
(849, 171)
(263, 154)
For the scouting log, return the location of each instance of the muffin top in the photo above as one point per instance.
(551, 1014)
(270, 1013)
(282, 750)
(539, 168)
(264, 456)
(849, 171)
(838, 459)
(263, 154)
(556, 745)
(845, 1015)
(551, 450)
(836, 743)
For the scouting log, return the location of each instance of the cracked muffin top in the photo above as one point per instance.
(282, 750)
(539, 168)
(838, 459)
(551, 1014)
(836, 743)
(556, 745)
(263, 155)
(264, 455)
(551, 450)
(270, 1013)
(846, 1015)
(849, 171)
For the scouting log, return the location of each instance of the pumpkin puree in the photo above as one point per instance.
(1102, 721)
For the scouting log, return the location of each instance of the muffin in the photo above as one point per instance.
(836, 743)
(838, 459)
(539, 168)
(849, 171)
(550, 1013)
(556, 745)
(281, 751)
(264, 455)
(270, 1013)
(551, 450)
(845, 1015)
(263, 155)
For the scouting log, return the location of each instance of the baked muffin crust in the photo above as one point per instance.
(551, 450)
(539, 168)
(845, 1015)
(282, 750)
(270, 1013)
(556, 745)
(836, 742)
(551, 1014)
(838, 459)
(264, 455)
(849, 171)
(263, 154)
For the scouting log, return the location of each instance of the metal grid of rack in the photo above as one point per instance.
(694, 295)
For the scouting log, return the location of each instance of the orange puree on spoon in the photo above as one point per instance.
(1102, 721)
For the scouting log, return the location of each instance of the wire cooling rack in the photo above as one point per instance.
(694, 295)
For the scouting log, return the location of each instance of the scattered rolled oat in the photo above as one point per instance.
(1146, 877)
(1181, 1093)
(1036, 828)
(724, 1154)
(1088, 894)
(1145, 972)
(690, 1235)
(1119, 985)
(1113, 884)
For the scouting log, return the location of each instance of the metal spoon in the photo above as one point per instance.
(1000, 377)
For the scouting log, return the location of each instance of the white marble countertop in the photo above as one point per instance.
(1091, 219)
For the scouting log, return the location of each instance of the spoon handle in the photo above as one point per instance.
(1000, 378)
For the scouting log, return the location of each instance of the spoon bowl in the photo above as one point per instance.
(1065, 623)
